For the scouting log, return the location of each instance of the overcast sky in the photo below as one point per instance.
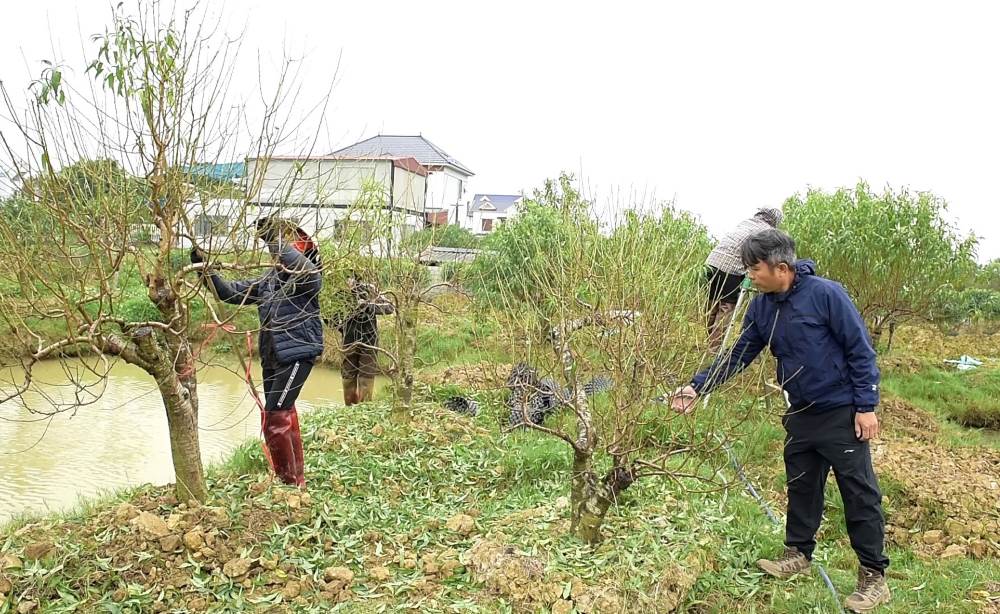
(722, 106)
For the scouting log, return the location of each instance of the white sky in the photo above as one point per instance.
(724, 106)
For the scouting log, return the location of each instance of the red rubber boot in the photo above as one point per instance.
(284, 443)
(300, 458)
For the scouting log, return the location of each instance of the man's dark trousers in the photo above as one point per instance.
(816, 441)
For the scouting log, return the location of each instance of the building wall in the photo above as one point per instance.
(324, 182)
(408, 189)
(321, 196)
(336, 183)
(445, 189)
(474, 222)
(232, 225)
(496, 217)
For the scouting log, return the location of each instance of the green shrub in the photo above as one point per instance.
(894, 252)
(526, 254)
(970, 306)
(137, 308)
(443, 236)
(455, 272)
(988, 276)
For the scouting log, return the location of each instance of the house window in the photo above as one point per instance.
(487, 225)
(461, 187)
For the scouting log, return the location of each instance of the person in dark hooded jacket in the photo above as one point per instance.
(359, 329)
(826, 366)
(291, 333)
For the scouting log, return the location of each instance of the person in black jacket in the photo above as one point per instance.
(291, 333)
(360, 339)
(826, 366)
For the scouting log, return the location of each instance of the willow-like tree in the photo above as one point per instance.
(100, 169)
(579, 304)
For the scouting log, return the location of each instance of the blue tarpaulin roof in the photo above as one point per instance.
(226, 171)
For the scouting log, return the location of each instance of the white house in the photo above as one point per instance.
(216, 224)
(487, 212)
(448, 178)
(324, 193)
(328, 196)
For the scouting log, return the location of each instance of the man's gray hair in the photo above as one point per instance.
(771, 246)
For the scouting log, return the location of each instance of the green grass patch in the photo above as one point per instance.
(453, 343)
(970, 398)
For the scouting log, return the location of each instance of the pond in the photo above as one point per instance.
(119, 439)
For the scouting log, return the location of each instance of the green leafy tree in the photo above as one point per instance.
(576, 305)
(443, 236)
(562, 195)
(894, 252)
(988, 276)
(521, 256)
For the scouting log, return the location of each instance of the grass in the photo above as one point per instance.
(381, 496)
(970, 398)
(454, 343)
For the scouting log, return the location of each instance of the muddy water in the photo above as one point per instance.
(119, 439)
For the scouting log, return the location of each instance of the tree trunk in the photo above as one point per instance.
(583, 523)
(876, 336)
(26, 283)
(403, 397)
(179, 391)
(185, 447)
(591, 499)
(403, 380)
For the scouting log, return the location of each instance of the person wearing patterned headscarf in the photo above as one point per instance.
(725, 271)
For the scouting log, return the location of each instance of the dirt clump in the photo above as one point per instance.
(461, 523)
(151, 525)
(673, 586)
(154, 542)
(237, 567)
(476, 376)
(932, 345)
(336, 584)
(950, 496)
(507, 572)
(899, 418)
(596, 600)
(38, 550)
(380, 573)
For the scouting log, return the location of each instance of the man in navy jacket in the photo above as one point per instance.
(826, 365)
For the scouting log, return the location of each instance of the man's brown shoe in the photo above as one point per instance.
(790, 563)
(871, 592)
